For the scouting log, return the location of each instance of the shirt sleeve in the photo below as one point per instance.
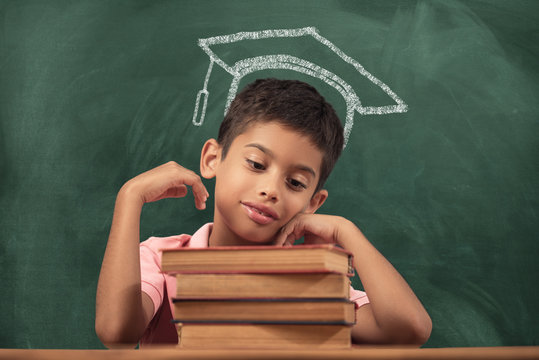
(359, 297)
(152, 280)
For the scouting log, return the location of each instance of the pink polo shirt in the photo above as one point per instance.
(161, 286)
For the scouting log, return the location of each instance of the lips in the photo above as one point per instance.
(259, 213)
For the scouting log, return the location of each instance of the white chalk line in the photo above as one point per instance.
(288, 62)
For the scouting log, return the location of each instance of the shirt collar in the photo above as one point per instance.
(200, 239)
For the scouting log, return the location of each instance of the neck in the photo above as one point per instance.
(221, 235)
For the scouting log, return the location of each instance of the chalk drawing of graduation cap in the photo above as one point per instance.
(245, 66)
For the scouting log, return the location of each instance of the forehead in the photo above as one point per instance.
(283, 142)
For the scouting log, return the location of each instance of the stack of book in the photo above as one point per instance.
(262, 296)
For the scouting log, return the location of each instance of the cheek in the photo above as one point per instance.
(297, 204)
(231, 183)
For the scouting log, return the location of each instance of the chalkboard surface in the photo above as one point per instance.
(440, 171)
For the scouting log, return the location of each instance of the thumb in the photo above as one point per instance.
(284, 239)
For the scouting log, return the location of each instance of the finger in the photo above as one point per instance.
(280, 240)
(176, 192)
(199, 190)
(290, 240)
(311, 239)
(288, 234)
(201, 195)
(283, 236)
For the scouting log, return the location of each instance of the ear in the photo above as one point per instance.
(316, 201)
(209, 158)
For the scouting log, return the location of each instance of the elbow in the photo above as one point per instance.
(113, 335)
(418, 331)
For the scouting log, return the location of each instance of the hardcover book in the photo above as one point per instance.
(280, 285)
(286, 311)
(258, 259)
(263, 336)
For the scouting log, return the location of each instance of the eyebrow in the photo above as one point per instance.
(270, 153)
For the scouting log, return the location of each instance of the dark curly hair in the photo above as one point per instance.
(293, 104)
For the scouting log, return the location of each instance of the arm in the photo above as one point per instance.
(123, 311)
(394, 314)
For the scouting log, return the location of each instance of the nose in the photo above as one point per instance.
(269, 188)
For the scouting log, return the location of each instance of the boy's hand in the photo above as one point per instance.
(169, 180)
(315, 228)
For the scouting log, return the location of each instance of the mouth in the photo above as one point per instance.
(259, 213)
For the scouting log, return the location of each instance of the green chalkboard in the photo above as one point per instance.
(440, 171)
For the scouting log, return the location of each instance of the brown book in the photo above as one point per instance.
(292, 285)
(257, 259)
(263, 336)
(297, 311)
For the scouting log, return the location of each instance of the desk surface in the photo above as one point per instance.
(360, 352)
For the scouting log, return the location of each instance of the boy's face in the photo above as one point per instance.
(267, 177)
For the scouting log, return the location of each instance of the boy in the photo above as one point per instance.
(275, 149)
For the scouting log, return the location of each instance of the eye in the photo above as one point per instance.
(255, 165)
(296, 185)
